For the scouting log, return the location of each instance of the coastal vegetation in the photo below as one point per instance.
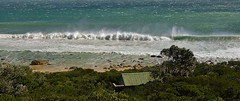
(179, 78)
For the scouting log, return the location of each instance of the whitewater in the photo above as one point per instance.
(209, 28)
(216, 48)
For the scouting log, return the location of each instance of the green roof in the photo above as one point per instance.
(133, 79)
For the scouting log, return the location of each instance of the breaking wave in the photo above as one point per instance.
(128, 36)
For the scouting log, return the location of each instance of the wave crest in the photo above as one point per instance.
(128, 36)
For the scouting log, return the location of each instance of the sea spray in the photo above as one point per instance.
(128, 36)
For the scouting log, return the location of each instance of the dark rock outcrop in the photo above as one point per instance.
(73, 67)
(153, 56)
(39, 62)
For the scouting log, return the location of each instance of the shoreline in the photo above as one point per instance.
(100, 62)
(63, 61)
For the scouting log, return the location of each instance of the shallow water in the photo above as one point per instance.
(62, 61)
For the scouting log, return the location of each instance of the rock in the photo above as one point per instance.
(153, 56)
(4, 64)
(39, 62)
(109, 60)
(113, 66)
(73, 67)
(122, 64)
(137, 66)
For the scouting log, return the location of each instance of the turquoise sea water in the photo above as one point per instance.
(154, 17)
(210, 28)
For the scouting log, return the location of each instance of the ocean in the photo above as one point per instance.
(210, 28)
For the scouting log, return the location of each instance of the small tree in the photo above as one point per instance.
(181, 61)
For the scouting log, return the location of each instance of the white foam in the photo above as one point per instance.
(101, 35)
(180, 31)
(219, 55)
(100, 42)
(3, 36)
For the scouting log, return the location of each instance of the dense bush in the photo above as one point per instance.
(207, 82)
(18, 80)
